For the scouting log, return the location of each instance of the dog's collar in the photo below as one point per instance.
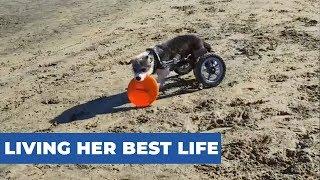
(157, 61)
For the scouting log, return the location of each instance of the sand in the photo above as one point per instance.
(63, 69)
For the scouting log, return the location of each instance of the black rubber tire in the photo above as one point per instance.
(200, 77)
(184, 71)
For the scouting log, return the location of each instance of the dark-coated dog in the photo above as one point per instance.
(151, 61)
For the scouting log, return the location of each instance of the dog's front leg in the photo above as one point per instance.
(162, 75)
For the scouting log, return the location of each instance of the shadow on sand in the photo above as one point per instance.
(103, 105)
(177, 86)
(119, 102)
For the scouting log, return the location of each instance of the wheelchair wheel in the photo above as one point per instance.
(210, 70)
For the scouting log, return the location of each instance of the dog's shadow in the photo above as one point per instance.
(119, 102)
(104, 105)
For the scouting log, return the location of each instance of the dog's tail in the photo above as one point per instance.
(207, 46)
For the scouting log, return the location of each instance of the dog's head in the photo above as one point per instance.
(142, 65)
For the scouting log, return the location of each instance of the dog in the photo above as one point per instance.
(154, 60)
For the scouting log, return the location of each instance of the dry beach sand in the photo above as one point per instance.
(63, 69)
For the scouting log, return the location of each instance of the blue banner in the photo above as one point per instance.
(110, 148)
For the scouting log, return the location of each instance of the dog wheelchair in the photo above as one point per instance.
(209, 69)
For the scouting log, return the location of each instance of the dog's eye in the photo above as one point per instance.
(144, 69)
(135, 68)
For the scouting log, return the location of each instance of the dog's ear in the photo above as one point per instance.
(150, 58)
(159, 50)
(129, 62)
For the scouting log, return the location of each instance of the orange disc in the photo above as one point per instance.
(143, 93)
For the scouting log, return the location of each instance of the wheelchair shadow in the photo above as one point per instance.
(119, 102)
(178, 86)
(104, 105)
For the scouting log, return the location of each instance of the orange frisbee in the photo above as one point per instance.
(143, 93)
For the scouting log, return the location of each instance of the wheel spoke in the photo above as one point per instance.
(217, 71)
(209, 76)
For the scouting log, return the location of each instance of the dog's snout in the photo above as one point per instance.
(138, 78)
